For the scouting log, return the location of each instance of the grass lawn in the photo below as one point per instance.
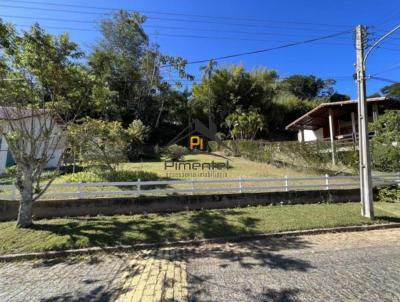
(238, 167)
(56, 234)
(155, 170)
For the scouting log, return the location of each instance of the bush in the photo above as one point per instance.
(11, 169)
(96, 175)
(389, 194)
(174, 152)
(385, 147)
(349, 159)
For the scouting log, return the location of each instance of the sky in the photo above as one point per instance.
(201, 30)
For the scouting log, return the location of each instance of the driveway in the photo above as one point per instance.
(358, 266)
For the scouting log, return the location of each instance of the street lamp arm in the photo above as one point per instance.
(379, 41)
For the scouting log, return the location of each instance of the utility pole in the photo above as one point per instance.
(363, 133)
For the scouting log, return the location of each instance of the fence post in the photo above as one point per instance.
(79, 191)
(240, 184)
(286, 183)
(327, 181)
(192, 186)
(138, 187)
(14, 193)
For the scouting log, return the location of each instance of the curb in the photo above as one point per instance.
(194, 242)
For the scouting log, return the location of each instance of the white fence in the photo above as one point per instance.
(231, 185)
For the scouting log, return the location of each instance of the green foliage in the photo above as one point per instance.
(314, 156)
(103, 143)
(307, 87)
(137, 133)
(349, 159)
(391, 90)
(98, 175)
(229, 89)
(174, 152)
(244, 125)
(389, 194)
(338, 97)
(286, 108)
(11, 169)
(386, 142)
(131, 67)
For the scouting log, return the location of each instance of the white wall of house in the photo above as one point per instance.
(311, 135)
(3, 155)
(56, 150)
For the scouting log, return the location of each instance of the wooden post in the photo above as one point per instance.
(332, 136)
(301, 134)
(374, 112)
(138, 187)
(353, 127)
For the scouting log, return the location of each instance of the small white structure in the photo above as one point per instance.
(36, 120)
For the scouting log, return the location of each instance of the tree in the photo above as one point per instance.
(44, 69)
(386, 142)
(105, 144)
(208, 70)
(391, 90)
(131, 67)
(286, 108)
(307, 87)
(244, 125)
(231, 88)
(338, 97)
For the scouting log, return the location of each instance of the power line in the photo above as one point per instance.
(167, 27)
(392, 67)
(266, 49)
(169, 19)
(155, 34)
(383, 80)
(176, 14)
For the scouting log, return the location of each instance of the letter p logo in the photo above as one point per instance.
(196, 142)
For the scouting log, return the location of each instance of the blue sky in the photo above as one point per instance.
(238, 26)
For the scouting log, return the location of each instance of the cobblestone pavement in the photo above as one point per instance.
(361, 266)
(156, 275)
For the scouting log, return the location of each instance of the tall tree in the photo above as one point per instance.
(232, 88)
(131, 66)
(46, 73)
(208, 71)
(391, 90)
(307, 87)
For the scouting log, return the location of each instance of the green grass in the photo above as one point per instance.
(56, 234)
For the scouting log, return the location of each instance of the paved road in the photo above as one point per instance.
(330, 267)
(361, 266)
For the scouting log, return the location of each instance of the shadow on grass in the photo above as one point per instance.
(392, 219)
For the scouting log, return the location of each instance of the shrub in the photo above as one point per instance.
(349, 159)
(391, 194)
(174, 152)
(11, 169)
(105, 144)
(97, 175)
(385, 147)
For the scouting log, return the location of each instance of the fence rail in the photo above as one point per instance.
(201, 186)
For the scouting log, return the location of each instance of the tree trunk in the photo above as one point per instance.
(25, 207)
